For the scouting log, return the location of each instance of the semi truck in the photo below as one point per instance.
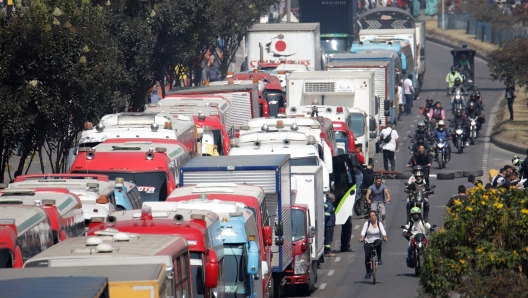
(351, 89)
(336, 19)
(298, 43)
(272, 173)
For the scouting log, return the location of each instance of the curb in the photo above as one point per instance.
(509, 147)
(446, 41)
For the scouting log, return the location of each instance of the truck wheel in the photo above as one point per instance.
(277, 287)
(271, 288)
(315, 264)
(307, 289)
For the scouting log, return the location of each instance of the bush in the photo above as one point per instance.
(499, 284)
(488, 233)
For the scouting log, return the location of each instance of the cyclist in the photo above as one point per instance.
(372, 233)
(419, 184)
(377, 195)
(442, 133)
(414, 226)
(450, 78)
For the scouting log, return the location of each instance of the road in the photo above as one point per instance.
(343, 276)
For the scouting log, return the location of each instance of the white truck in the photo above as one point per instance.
(352, 89)
(299, 43)
(308, 184)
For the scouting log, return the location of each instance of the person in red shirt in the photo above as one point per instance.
(359, 153)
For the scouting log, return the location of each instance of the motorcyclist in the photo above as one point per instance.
(421, 132)
(443, 133)
(419, 184)
(479, 98)
(450, 78)
(420, 141)
(437, 113)
(473, 111)
(422, 158)
(475, 98)
(428, 106)
(465, 68)
(412, 178)
(460, 119)
(462, 91)
(415, 226)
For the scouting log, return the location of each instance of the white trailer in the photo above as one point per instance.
(299, 43)
(352, 89)
(309, 191)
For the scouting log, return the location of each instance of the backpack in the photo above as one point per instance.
(388, 138)
(379, 229)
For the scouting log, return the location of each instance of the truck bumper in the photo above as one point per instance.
(292, 279)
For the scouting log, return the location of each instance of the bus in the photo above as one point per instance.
(25, 231)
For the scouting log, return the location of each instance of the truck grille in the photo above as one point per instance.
(319, 87)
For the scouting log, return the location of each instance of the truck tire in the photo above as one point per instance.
(277, 287)
(445, 176)
(477, 173)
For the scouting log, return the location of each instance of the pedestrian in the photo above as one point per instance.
(422, 158)
(461, 197)
(510, 96)
(329, 225)
(471, 182)
(154, 96)
(378, 195)
(409, 93)
(368, 176)
(389, 137)
(401, 100)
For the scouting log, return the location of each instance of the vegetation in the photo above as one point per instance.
(64, 62)
(484, 239)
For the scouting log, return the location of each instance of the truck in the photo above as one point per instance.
(118, 249)
(244, 99)
(308, 198)
(298, 43)
(134, 281)
(240, 233)
(336, 19)
(213, 138)
(395, 23)
(272, 173)
(262, 95)
(251, 197)
(387, 78)
(351, 89)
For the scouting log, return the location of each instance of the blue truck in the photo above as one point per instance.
(271, 173)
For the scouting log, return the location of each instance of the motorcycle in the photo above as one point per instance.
(457, 101)
(417, 197)
(418, 243)
(473, 129)
(440, 152)
(458, 138)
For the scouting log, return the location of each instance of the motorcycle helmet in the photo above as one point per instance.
(471, 105)
(516, 161)
(417, 168)
(473, 96)
(458, 112)
(419, 176)
(457, 81)
(416, 212)
(453, 69)
(500, 181)
(464, 45)
(477, 93)
(429, 100)
(421, 126)
(441, 125)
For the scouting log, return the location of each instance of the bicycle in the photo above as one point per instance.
(373, 260)
(378, 211)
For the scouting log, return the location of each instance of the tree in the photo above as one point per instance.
(488, 233)
(510, 62)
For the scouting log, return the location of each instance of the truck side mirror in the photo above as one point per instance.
(372, 124)
(312, 232)
(278, 229)
(253, 258)
(267, 234)
(211, 270)
(373, 134)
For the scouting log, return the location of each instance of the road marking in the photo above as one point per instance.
(322, 286)
(432, 175)
(412, 125)
(337, 259)
(408, 131)
(356, 227)
(331, 272)
(415, 120)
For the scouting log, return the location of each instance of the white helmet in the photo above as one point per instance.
(516, 161)
(500, 181)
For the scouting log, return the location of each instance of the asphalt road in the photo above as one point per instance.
(343, 276)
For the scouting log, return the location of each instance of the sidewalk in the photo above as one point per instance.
(506, 134)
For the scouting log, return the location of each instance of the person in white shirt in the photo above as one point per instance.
(389, 146)
(372, 233)
(408, 91)
(401, 100)
(414, 226)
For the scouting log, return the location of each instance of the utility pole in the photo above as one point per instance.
(288, 11)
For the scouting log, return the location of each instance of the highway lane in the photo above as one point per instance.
(343, 276)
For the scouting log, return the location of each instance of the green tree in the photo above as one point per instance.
(511, 61)
(488, 233)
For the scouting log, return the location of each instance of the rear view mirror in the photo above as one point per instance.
(278, 229)
(267, 234)
(433, 226)
(372, 124)
(403, 227)
(312, 232)
(211, 270)
(253, 258)
(373, 135)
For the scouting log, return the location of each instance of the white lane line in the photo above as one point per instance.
(432, 175)
(331, 272)
(337, 259)
(351, 237)
(356, 227)
(415, 120)
(408, 131)
(412, 125)
(322, 286)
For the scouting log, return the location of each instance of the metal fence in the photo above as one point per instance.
(483, 31)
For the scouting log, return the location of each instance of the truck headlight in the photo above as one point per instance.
(301, 263)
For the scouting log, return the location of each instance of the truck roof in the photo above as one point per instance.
(329, 74)
(213, 89)
(283, 27)
(182, 109)
(62, 198)
(214, 189)
(280, 135)
(56, 287)
(369, 55)
(352, 63)
(225, 163)
(296, 149)
(113, 273)
(123, 119)
(138, 147)
(305, 169)
(24, 216)
(224, 209)
(387, 31)
(323, 110)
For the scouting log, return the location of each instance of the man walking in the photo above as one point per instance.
(510, 96)
(389, 137)
(408, 93)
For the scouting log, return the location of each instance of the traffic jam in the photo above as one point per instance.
(214, 191)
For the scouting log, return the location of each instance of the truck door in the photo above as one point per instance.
(344, 187)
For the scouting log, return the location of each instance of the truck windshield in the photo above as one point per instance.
(217, 137)
(340, 135)
(299, 225)
(304, 161)
(333, 44)
(198, 276)
(235, 269)
(358, 124)
(275, 101)
(5, 258)
(151, 185)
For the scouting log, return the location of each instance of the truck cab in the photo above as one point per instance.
(303, 272)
